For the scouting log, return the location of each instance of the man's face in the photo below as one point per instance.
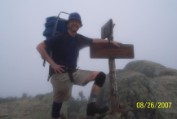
(74, 25)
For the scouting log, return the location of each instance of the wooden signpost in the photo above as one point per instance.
(111, 52)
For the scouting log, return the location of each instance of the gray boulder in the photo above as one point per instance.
(147, 90)
(150, 69)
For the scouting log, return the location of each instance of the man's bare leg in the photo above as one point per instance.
(92, 108)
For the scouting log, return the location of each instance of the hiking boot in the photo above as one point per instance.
(92, 109)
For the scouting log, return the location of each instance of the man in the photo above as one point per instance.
(63, 66)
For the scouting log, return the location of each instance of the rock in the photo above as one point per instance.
(130, 115)
(148, 68)
(147, 89)
(113, 116)
(168, 72)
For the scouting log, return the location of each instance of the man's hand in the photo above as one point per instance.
(96, 40)
(42, 50)
(116, 43)
(57, 68)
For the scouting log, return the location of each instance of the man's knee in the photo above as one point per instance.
(100, 79)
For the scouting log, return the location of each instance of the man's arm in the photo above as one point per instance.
(97, 40)
(42, 50)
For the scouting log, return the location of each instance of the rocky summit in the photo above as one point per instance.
(146, 90)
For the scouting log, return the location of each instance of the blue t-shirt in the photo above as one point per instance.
(65, 48)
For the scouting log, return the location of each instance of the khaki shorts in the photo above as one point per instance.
(62, 85)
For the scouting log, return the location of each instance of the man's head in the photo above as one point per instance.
(74, 22)
(75, 17)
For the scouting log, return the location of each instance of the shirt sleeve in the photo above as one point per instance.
(84, 41)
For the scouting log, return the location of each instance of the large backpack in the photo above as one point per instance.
(54, 25)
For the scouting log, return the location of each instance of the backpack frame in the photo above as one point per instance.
(54, 25)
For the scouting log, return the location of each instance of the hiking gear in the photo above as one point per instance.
(56, 107)
(65, 70)
(93, 109)
(75, 16)
(61, 47)
(100, 79)
(70, 73)
(54, 25)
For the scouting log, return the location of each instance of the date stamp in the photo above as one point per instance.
(153, 105)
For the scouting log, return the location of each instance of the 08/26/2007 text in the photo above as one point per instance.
(153, 105)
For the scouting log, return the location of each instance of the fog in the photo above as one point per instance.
(150, 25)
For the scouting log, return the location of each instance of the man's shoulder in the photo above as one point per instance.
(79, 35)
(82, 37)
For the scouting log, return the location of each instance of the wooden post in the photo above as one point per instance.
(112, 77)
(110, 51)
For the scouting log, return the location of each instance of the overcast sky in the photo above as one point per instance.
(150, 25)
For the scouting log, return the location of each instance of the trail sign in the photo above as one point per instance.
(110, 51)
(107, 29)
